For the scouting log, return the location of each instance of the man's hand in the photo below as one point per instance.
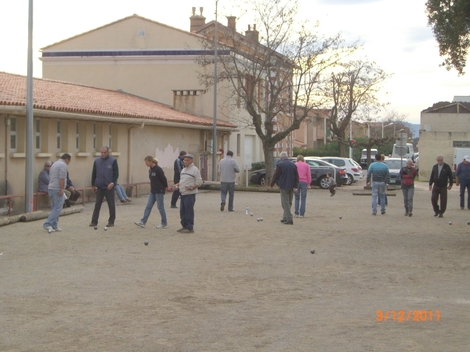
(430, 188)
(71, 189)
(449, 188)
(110, 186)
(93, 188)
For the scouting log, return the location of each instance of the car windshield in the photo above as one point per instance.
(395, 164)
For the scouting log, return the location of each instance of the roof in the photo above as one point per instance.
(445, 107)
(57, 96)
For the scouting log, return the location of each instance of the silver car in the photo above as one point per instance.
(353, 169)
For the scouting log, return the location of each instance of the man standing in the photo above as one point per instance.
(287, 179)
(103, 178)
(380, 175)
(228, 166)
(462, 178)
(190, 181)
(441, 174)
(43, 178)
(56, 188)
(177, 167)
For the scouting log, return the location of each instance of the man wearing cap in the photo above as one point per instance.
(228, 167)
(43, 178)
(190, 180)
(462, 178)
(287, 178)
(440, 182)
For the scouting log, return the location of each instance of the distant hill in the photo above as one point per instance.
(414, 128)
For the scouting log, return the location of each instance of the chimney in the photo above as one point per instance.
(232, 22)
(252, 35)
(196, 21)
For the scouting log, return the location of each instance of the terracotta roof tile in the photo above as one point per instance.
(73, 98)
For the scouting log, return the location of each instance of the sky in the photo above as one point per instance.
(394, 34)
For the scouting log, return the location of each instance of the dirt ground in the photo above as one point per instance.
(238, 284)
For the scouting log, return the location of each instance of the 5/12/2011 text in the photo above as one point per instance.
(410, 315)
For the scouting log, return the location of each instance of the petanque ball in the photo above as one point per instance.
(312, 251)
(146, 243)
(450, 222)
(96, 227)
(106, 229)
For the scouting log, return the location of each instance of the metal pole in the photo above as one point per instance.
(214, 124)
(29, 117)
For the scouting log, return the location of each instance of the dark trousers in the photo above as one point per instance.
(100, 194)
(439, 192)
(175, 196)
(464, 185)
(74, 195)
(187, 211)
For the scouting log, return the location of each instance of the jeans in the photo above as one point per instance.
(300, 198)
(187, 211)
(408, 192)
(378, 190)
(230, 187)
(464, 185)
(120, 192)
(57, 202)
(100, 194)
(286, 202)
(158, 198)
(174, 197)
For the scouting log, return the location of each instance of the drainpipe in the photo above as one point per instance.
(7, 124)
(129, 152)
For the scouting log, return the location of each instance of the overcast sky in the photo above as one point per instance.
(394, 33)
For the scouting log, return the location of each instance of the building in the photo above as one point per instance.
(78, 119)
(158, 62)
(444, 126)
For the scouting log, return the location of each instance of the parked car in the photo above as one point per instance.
(394, 166)
(353, 169)
(318, 169)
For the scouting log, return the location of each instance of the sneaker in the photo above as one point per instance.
(49, 229)
(436, 214)
(123, 201)
(57, 229)
(296, 215)
(140, 224)
(410, 214)
(382, 212)
(110, 225)
(231, 210)
(222, 206)
(174, 207)
(301, 216)
(92, 224)
(181, 229)
(128, 200)
(440, 216)
(288, 222)
(283, 220)
(186, 231)
(161, 226)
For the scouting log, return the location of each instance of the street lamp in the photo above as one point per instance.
(390, 124)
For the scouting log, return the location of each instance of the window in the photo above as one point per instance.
(59, 136)
(38, 135)
(77, 136)
(94, 137)
(110, 141)
(13, 134)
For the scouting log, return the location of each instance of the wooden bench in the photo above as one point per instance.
(9, 198)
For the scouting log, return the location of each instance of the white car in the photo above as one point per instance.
(353, 169)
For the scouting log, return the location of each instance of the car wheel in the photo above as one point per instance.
(323, 183)
(350, 180)
(262, 181)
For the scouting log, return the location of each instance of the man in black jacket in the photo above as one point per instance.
(177, 167)
(442, 179)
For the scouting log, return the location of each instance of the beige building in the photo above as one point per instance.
(158, 62)
(444, 126)
(77, 119)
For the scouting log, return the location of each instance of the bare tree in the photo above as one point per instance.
(274, 71)
(352, 89)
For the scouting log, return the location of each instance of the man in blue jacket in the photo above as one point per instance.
(103, 178)
(380, 175)
(287, 179)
